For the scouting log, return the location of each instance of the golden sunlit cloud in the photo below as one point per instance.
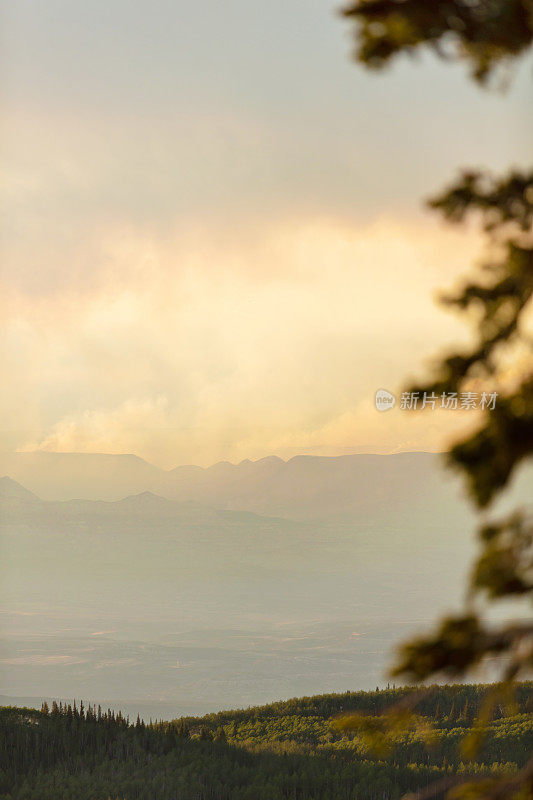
(209, 344)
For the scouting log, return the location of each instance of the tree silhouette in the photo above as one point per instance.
(487, 35)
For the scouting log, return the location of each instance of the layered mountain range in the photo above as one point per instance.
(303, 488)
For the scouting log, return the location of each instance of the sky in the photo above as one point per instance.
(213, 242)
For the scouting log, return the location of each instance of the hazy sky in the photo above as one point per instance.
(213, 244)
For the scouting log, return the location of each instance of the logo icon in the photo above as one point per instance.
(384, 400)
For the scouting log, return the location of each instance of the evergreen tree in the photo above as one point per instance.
(486, 34)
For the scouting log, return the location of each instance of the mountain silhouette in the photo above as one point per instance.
(302, 488)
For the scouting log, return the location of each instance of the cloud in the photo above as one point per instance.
(209, 253)
(120, 430)
(211, 343)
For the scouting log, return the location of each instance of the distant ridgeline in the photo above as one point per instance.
(284, 750)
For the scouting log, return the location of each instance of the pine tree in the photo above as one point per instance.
(220, 735)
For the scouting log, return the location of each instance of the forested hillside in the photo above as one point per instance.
(289, 749)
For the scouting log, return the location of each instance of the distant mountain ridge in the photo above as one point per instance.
(14, 497)
(10, 489)
(302, 488)
(18, 504)
(92, 476)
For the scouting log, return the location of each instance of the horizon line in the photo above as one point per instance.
(221, 461)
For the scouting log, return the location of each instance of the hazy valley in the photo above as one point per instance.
(181, 606)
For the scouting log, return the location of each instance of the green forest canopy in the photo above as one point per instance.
(288, 749)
